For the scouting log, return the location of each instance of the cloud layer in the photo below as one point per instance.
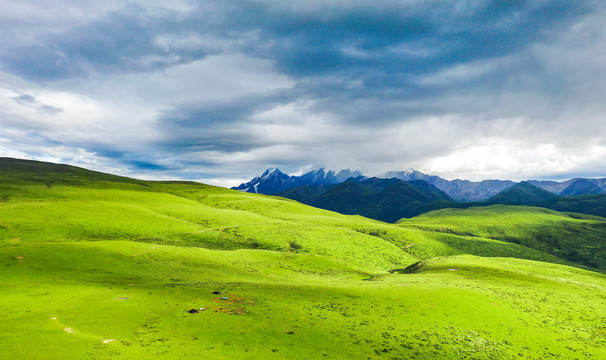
(217, 91)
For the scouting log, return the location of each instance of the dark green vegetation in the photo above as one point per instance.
(305, 194)
(527, 194)
(523, 193)
(588, 204)
(382, 199)
(95, 266)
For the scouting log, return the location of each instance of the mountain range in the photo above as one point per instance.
(460, 190)
(382, 199)
(404, 194)
(273, 181)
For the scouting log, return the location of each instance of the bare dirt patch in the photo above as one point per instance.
(232, 305)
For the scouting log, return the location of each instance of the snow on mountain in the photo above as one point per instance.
(270, 182)
(273, 181)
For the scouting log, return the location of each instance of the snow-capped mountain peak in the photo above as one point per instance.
(269, 173)
(273, 181)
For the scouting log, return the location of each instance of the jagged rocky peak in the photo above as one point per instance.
(271, 172)
(406, 175)
(346, 174)
(270, 182)
(273, 181)
(318, 175)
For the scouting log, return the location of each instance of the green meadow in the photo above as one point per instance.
(95, 266)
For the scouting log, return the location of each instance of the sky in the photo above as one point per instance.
(218, 91)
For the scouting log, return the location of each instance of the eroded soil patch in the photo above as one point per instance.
(232, 305)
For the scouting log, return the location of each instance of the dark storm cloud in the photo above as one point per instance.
(340, 41)
(312, 43)
(122, 41)
(25, 99)
(383, 51)
(217, 127)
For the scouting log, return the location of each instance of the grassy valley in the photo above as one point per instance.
(103, 267)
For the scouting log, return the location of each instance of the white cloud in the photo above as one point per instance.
(465, 73)
(216, 78)
(535, 110)
(190, 42)
(81, 119)
(121, 111)
(495, 158)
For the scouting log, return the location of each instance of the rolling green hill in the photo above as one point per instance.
(97, 266)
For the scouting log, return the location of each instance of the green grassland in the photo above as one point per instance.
(573, 237)
(94, 266)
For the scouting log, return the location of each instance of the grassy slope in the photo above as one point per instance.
(70, 250)
(573, 237)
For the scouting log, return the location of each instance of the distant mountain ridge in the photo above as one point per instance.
(460, 190)
(382, 199)
(273, 181)
(523, 193)
(392, 199)
(581, 187)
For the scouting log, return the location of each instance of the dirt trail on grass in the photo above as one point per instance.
(212, 229)
(217, 228)
(145, 251)
(188, 233)
(226, 227)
